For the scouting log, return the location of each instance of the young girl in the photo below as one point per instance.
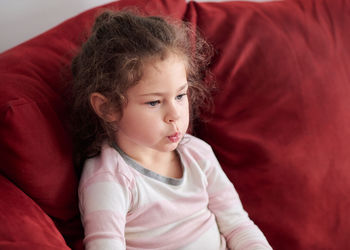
(146, 184)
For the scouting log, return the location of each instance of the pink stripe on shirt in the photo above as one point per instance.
(169, 239)
(172, 211)
(225, 199)
(242, 228)
(103, 224)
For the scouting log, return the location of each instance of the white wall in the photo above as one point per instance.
(21, 20)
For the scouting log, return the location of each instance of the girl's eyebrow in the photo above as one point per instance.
(160, 94)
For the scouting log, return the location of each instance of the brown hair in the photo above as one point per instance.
(111, 60)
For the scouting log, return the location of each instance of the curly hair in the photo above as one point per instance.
(111, 61)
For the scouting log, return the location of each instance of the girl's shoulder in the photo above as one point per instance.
(198, 152)
(195, 145)
(108, 165)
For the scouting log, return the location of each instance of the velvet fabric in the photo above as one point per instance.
(280, 127)
(24, 225)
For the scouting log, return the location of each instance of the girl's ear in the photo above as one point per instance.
(102, 108)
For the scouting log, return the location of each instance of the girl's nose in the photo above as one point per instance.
(172, 114)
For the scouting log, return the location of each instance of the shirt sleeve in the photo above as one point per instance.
(233, 221)
(104, 200)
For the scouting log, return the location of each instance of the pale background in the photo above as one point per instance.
(21, 20)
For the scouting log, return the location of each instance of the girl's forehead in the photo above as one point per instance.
(161, 75)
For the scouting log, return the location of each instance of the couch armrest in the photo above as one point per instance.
(24, 225)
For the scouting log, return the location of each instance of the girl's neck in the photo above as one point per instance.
(167, 164)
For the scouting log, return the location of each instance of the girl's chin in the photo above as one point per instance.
(169, 147)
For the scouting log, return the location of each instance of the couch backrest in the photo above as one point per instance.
(280, 128)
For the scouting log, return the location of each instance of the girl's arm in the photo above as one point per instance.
(234, 224)
(104, 201)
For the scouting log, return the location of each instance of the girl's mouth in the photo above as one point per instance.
(175, 137)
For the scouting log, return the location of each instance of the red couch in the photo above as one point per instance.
(280, 127)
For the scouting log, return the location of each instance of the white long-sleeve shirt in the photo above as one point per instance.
(126, 206)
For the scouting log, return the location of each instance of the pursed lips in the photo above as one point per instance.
(175, 137)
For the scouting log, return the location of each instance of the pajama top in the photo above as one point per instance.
(126, 206)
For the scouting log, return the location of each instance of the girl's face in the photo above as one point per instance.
(156, 115)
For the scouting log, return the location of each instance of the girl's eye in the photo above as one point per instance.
(153, 103)
(179, 97)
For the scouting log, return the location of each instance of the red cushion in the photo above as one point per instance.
(35, 147)
(281, 125)
(28, 228)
